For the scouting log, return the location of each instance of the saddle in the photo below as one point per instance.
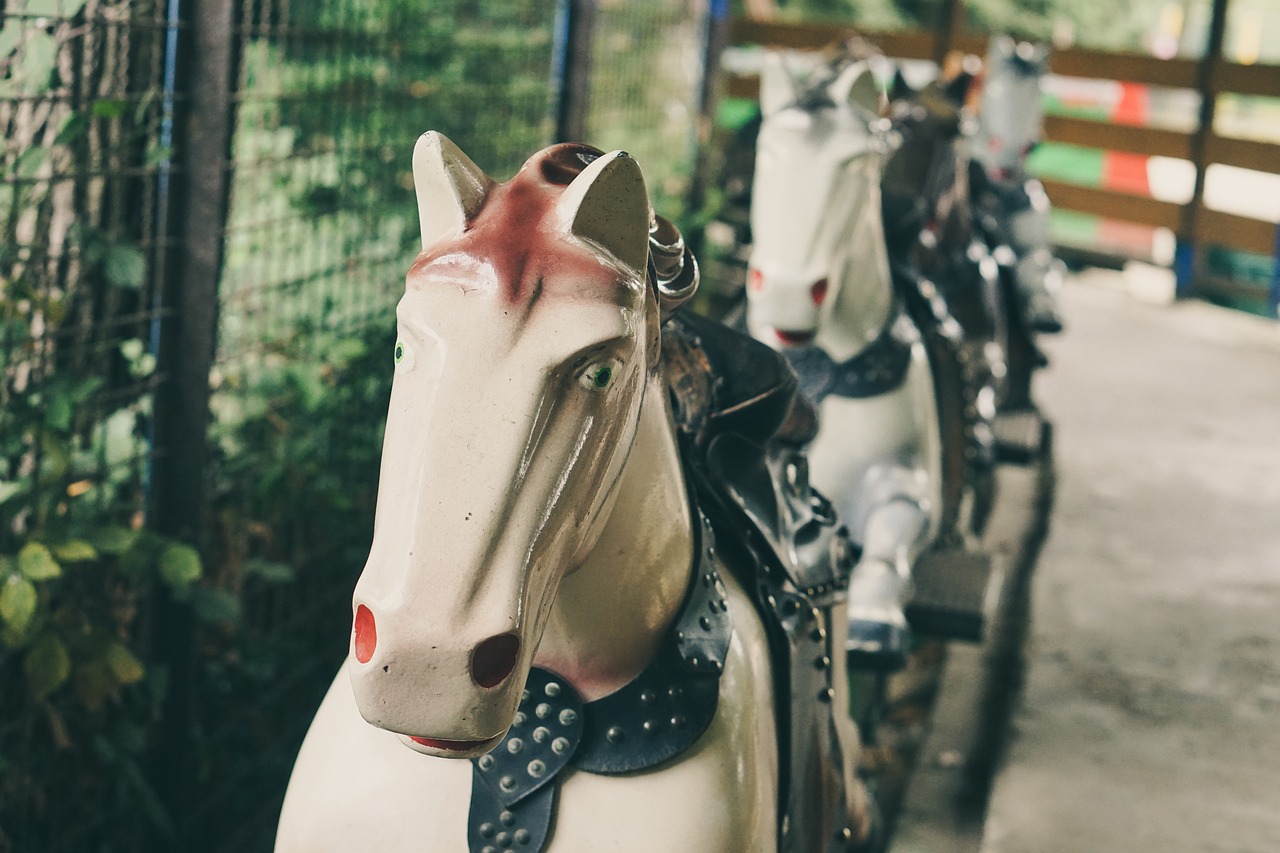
(743, 425)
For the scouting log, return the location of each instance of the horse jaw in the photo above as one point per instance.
(498, 459)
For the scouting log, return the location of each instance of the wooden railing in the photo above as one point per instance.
(1194, 224)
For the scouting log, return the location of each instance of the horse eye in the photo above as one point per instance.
(600, 375)
(404, 357)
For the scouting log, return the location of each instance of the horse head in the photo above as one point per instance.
(1012, 112)
(527, 335)
(818, 272)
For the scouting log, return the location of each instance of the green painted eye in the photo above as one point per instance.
(399, 351)
(600, 375)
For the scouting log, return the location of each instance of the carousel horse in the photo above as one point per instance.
(947, 273)
(1012, 207)
(819, 289)
(599, 605)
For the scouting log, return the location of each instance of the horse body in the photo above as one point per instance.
(533, 510)
(1013, 205)
(819, 280)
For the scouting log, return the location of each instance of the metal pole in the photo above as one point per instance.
(1190, 261)
(575, 21)
(714, 31)
(199, 189)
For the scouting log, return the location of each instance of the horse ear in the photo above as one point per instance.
(608, 205)
(857, 84)
(778, 86)
(451, 189)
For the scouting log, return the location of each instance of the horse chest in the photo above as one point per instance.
(357, 787)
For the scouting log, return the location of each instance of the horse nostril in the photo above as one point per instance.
(493, 660)
(366, 634)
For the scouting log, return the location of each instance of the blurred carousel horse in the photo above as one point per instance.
(1012, 207)
(549, 651)
(819, 290)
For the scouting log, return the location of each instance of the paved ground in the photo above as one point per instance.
(1150, 715)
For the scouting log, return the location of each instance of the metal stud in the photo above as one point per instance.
(519, 720)
(652, 727)
(568, 717)
(822, 662)
(523, 836)
(675, 692)
(648, 697)
(543, 710)
(507, 817)
(488, 830)
(524, 695)
(485, 762)
(507, 783)
(678, 721)
(709, 579)
(552, 689)
(615, 734)
(560, 746)
(541, 733)
(503, 839)
(717, 666)
(845, 835)
(705, 623)
(489, 848)
(515, 745)
(537, 769)
(826, 694)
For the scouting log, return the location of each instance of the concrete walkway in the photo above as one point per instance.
(1150, 716)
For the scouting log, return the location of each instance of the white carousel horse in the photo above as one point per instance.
(1010, 126)
(541, 597)
(819, 289)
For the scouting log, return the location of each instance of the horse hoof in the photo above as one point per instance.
(876, 646)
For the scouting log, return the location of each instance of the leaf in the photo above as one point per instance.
(17, 603)
(47, 665)
(10, 35)
(75, 551)
(112, 540)
(180, 566)
(126, 266)
(126, 668)
(110, 108)
(54, 8)
(269, 571)
(215, 605)
(36, 563)
(94, 683)
(36, 63)
(58, 412)
(9, 488)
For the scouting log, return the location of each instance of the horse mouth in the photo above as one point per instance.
(450, 748)
(794, 337)
(452, 745)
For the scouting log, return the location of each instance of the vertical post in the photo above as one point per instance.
(714, 30)
(950, 22)
(1190, 260)
(575, 21)
(202, 140)
(1273, 295)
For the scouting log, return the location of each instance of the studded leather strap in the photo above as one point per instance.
(657, 716)
(879, 368)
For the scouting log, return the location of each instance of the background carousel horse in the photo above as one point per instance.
(819, 289)
(945, 271)
(1012, 207)
(548, 651)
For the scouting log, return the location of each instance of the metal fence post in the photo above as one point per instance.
(202, 140)
(714, 31)
(575, 20)
(1188, 269)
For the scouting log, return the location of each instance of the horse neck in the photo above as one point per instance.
(862, 295)
(611, 613)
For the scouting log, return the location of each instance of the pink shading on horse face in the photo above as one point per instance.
(508, 428)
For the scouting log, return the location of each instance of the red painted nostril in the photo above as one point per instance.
(493, 660)
(818, 292)
(366, 634)
(755, 281)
